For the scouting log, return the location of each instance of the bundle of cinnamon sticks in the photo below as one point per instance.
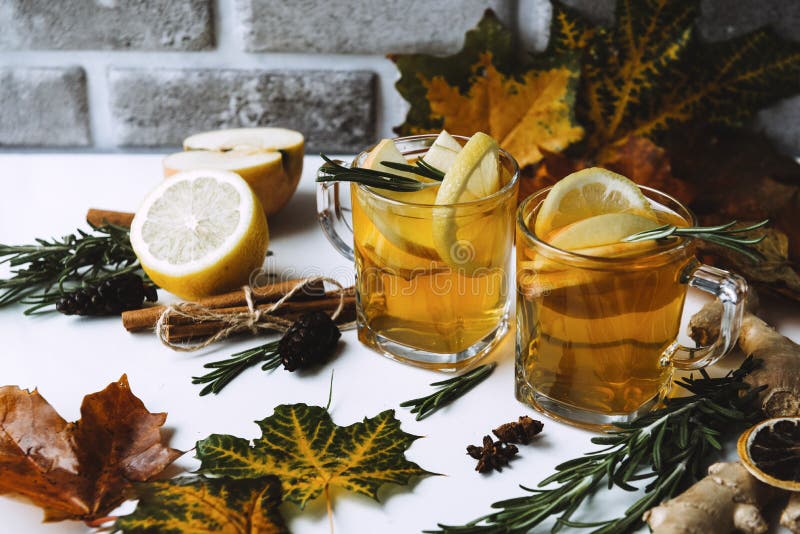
(312, 297)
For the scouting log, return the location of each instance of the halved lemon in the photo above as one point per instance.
(587, 193)
(770, 451)
(474, 174)
(200, 232)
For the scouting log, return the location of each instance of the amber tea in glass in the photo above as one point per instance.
(596, 335)
(414, 303)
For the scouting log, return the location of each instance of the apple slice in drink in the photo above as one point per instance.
(269, 159)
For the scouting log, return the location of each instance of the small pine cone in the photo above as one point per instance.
(311, 340)
(122, 292)
(521, 431)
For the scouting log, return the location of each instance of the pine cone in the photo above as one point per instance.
(311, 340)
(122, 292)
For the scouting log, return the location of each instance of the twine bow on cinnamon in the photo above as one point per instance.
(255, 319)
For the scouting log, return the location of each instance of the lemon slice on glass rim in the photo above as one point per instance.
(199, 233)
(588, 193)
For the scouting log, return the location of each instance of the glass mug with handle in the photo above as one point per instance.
(597, 334)
(433, 284)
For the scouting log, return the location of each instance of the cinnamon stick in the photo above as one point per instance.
(146, 318)
(98, 217)
(180, 329)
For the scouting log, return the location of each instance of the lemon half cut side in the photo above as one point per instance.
(200, 233)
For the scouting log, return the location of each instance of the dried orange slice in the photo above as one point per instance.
(770, 451)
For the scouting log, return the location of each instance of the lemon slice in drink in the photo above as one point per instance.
(599, 230)
(396, 223)
(587, 193)
(474, 174)
(199, 233)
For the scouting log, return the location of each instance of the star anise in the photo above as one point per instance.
(521, 431)
(493, 454)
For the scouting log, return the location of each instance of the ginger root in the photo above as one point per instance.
(728, 499)
(790, 518)
(780, 356)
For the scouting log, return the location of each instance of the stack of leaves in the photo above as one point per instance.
(84, 470)
(646, 98)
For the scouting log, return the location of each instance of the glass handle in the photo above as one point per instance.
(731, 290)
(330, 213)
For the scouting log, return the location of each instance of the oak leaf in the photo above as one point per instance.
(199, 505)
(525, 106)
(79, 470)
(303, 447)
(650, 72)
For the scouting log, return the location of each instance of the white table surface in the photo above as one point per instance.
(46, 195)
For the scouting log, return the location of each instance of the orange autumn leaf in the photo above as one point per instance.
(79, 470)
(526, 107)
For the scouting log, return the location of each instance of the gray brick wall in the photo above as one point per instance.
(149, 72)
(106, 24)
(334, 110)
(43, 107)
(362, 26)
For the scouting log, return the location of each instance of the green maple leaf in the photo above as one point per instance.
(303, 447)
(651, 73)
(525, 105)
(200, 504)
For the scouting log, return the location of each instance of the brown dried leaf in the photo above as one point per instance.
(79, 470)
(776, 272)
(647, 164)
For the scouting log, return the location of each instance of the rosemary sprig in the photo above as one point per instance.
(669, 446)
(228, 369)
(44, 271)
(332, 171)
(724, 235)
(450, 390)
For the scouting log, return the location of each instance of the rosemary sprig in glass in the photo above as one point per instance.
(724, 235)
(42, 272)
(228, 369)
(669, 447)
(450, 390)
(332, 171)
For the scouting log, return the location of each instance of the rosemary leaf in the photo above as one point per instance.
(43, 272)
(724, 235)
(450, 390)
(228, 369)
(671, 446)
(333, 171)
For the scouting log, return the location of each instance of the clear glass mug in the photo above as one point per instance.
(596, 336)
(432, 281)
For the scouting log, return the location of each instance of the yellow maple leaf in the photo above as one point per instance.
(521, 114)
(485, 87)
